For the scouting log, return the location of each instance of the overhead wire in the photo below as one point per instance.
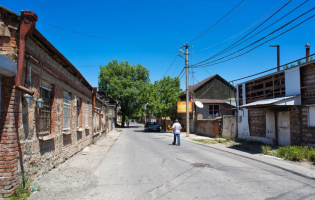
(103, 38)
(216, 22)
(247, 34)
(170, 65)
(258, 45)
(232, 47)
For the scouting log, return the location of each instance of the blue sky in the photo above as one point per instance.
(170, 24)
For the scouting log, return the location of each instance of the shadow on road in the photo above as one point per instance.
(248, 148)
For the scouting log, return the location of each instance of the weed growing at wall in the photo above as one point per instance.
(266, 149)
(23, 191)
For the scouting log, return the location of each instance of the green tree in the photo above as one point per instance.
(165, 96)
(124, 82)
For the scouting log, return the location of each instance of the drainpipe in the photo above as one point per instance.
(307, 46)
(27, 24)
(93, 101)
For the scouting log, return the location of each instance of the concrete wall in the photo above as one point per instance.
(208, 127)
(229, 127)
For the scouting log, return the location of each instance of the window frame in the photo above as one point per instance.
(311, 116)
(86, 114)
(45, 89)
(214, 112)
(79, 104)
(66, 104)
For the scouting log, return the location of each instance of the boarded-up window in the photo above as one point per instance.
(87, 114)
(311, 116)
(45, 112)
(66, 110)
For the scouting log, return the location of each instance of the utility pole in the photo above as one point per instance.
(278, 56)
(187, 87)
(187, 92)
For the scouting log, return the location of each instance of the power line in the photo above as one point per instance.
(231, 47)
(259, 44)
(181, 71)
(216, 22)
(103, 38)
(203, 67)
(170, 65)
(246, 34)
(238, 32)
(261, 38)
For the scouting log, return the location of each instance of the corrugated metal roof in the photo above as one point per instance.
(280, 101)
(211, 100)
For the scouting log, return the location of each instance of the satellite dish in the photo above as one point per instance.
(199, 104)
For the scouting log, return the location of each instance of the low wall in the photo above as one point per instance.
(208, 127)
(229, 129)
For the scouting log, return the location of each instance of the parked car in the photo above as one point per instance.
(152, 126)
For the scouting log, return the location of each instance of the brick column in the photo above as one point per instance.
(10, 151)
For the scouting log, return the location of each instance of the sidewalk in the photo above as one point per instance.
(76, 174)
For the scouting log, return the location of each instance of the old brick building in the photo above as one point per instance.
(49, 111)
(279, 108)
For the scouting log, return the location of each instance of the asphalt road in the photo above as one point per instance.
(144, 165)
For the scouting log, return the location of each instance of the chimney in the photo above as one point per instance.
(307, 46)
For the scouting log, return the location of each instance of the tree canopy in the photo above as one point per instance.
(124, 82)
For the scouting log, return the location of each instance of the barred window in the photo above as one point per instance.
(78, 112)
(45, 112)
(66, 110)
(87, 114)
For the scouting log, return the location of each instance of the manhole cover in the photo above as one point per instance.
(200, 165)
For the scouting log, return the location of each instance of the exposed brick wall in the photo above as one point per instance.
(22, 149)
(10, 150)
(257, 122)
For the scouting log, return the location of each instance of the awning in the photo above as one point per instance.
(7, 67)
(280, 101)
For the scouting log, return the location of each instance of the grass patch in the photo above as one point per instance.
(214, 141)
(205, 141)
(296, 153)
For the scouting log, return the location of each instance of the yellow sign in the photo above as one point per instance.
(181, 106)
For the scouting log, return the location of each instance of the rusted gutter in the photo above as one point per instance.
(93, 101)
(27, 24)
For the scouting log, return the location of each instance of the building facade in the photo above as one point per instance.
(49, 112)
(279, 108)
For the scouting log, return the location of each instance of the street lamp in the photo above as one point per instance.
(278, 56)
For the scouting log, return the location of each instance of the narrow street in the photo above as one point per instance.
(144, 165)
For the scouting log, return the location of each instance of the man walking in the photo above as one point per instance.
(176, 130)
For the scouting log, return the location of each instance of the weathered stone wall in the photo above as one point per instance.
(23, 149)
(257, 122)
(300, 135)
(102, 123)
